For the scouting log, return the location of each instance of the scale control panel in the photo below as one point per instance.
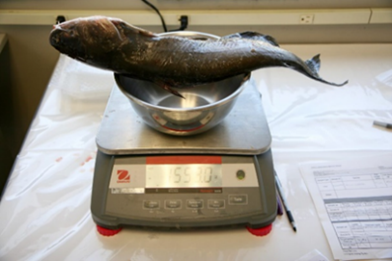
(184, 191)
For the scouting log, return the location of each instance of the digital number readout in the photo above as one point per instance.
(183, 175)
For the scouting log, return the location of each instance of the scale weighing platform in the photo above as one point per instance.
(222, 177)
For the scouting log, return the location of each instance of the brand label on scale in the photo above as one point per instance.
(181, 174)
(123, 176)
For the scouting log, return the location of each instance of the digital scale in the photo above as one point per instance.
(222, 177)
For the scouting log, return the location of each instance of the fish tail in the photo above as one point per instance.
(311, 69)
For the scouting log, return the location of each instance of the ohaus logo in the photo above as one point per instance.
(123, 176)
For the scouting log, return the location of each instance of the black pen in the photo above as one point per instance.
(383, 124)
(284, 201)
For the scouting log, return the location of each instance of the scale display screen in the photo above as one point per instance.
(184, 176)
(183, 172)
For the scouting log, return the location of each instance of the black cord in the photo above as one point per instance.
(60, 19)
(184, 23)
(183, 19)
(159, 13)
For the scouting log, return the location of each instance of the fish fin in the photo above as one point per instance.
(313, 65)
(255, 36)
(167, 88)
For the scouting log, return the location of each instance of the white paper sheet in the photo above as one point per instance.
(354, 203)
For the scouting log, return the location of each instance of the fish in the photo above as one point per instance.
(173, 62)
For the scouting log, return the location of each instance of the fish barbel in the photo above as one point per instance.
(172, 61)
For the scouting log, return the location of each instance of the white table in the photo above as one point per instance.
(45, 211)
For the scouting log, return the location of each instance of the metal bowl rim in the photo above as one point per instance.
(189, 33)
(191, 109)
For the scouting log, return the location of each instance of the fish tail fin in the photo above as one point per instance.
(313, 66)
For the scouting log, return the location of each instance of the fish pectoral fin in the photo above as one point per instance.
(254, 36)
(167, 88)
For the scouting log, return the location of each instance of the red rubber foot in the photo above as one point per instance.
(107, 232)
(260, 231)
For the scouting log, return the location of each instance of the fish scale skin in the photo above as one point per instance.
(174, 61)
(205, 61)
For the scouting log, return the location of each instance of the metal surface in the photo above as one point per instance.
(243, 131)
(191, 34)
(204, 106)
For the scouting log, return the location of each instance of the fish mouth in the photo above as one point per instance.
(62, 40)
(57, 37)
(54, 38)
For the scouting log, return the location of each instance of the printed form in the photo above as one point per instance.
(354, 203)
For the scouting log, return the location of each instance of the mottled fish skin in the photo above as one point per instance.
(172, 61)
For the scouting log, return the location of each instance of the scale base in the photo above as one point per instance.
(242, 140)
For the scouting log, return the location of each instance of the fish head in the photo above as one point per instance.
(86, 38)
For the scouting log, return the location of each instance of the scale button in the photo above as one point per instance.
(240, 174)
(172, 203)
(151, 204)
(194, 203)
(216, 203)
(241, 199)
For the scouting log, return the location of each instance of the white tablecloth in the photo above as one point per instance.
(45, 211)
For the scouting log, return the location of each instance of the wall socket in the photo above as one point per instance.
(306, 19)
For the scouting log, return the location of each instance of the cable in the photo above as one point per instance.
(183, 19)
(60, 19)
(159, 13)
(184, 23)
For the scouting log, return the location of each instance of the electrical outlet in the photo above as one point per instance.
(306, 19)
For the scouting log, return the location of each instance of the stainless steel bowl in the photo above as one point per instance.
(203, 107)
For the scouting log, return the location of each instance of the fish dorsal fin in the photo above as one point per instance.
(313, 67)
(314, 64)
(253, 35)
